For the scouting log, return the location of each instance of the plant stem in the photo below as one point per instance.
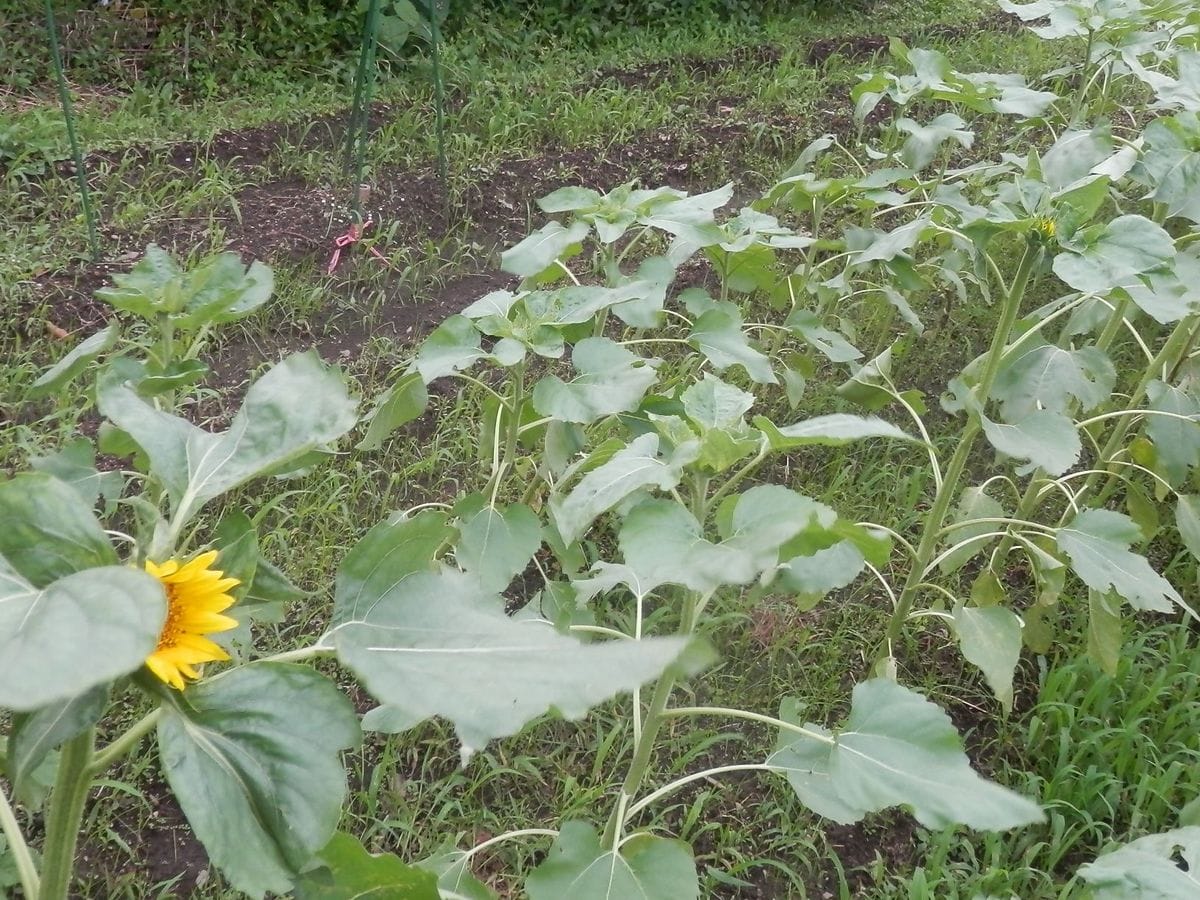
(641, 759)
(11, 829)
(125, 743)
(942, 499)
(66, 812)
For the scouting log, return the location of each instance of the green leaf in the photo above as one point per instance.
(645, 867)
(1044, 376)
(494, 543)
(610, 380)
(1114, 254)
(452, 347)
(1048, 440)
(663, 544)
(924, 141)
(386, 555)
(1104, 635)
(454, 878)
(632, 468)
(1096, 542)
(35, 735)
(1187, 520)
(76, 633)
(1170, 164)
(299, 406)
(1156, 867)
(829, 569)
(832, 430)
(897, 749)
(990, 639)
(831, 344)
(540, 249)
(437, 644)
(254, 758)
(348, 872)
(75, 464)
(1177, 441)
(973, 504)
(49, 531)
(142, 291)
(718, 335)
(713, 403)
(400, 404)
(70, 366)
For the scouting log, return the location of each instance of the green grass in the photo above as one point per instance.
(1110, 756)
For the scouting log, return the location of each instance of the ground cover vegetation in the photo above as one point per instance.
(764, 467)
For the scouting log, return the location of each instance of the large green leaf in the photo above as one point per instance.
(712, 403)
(253, 756)
(348, 872)
(719, 336)
(454, 877)
(990, 639)
(663, 544)
(1047, 439)
(1041, 375)
(1156, 867)
(143, 290)
(299, 406)
(437, 644)
(896, 749)
(644, 868)
(632, 468)
(539, 250)
(610, 380)
(49, 531)
(1097, 543)
(386, 555)
(832, 430)
(76, 633)
(453, 346)
(70, 366)
(924, 141)
(496, 543)
(1112, 254)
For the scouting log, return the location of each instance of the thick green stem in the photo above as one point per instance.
(651, 724)
(949, 489)
(11, 829)
(66, 812)
(125, 743)
(641, 758)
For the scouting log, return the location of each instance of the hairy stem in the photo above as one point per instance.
(66, 812)
(125, 743)
(945, 495)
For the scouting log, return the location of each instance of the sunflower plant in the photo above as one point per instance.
(130, 604)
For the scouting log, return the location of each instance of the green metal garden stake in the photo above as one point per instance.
(64, 96)
(360, 113)
(439, 96)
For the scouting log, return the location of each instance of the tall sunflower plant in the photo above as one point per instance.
(118, 595)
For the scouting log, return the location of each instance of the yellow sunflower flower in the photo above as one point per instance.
(196, 597)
